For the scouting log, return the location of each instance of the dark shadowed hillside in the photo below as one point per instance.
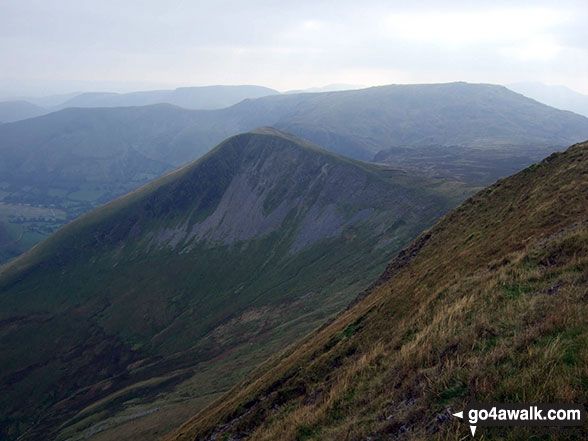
(166, 297)
(491, 301)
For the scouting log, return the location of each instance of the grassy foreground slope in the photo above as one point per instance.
(492, 300)
(164, 298)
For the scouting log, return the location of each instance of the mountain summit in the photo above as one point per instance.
(167, 296)
(491, 302)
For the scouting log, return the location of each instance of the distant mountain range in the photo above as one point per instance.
(69, 161)
(170, 294)
(328, 88)
(11, 111)
(206, 97)
(490, 305)
(361, 123)
(559, 97)
(217, 97)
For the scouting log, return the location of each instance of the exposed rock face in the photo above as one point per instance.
(279, 185)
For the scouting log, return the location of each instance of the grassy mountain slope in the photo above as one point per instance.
(77, 159)
(167, 296)
(206, 97)
(492, 300)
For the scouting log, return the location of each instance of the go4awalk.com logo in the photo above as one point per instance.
(495, 414)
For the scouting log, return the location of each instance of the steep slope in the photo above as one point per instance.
(206, 97)
(491, 301)
(172, 293)
(16, 110)
(76, 159)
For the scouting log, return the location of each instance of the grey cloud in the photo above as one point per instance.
(279, 44)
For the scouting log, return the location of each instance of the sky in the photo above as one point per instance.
(60, 46)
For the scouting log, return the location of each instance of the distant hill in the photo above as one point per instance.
(167, 296)
(327, 88)
(491, 302)
(77, 159)
(360, 123)
(51, 101)
(206, 97)
(16, 110)
(559, 97)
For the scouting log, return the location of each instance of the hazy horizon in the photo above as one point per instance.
(64, 46)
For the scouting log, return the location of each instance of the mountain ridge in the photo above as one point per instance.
(11, 111)
(198, 97)
(188, 97)
(214, 264)
(77, 159)
(490, 301)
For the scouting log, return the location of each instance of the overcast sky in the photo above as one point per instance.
(57, 46)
